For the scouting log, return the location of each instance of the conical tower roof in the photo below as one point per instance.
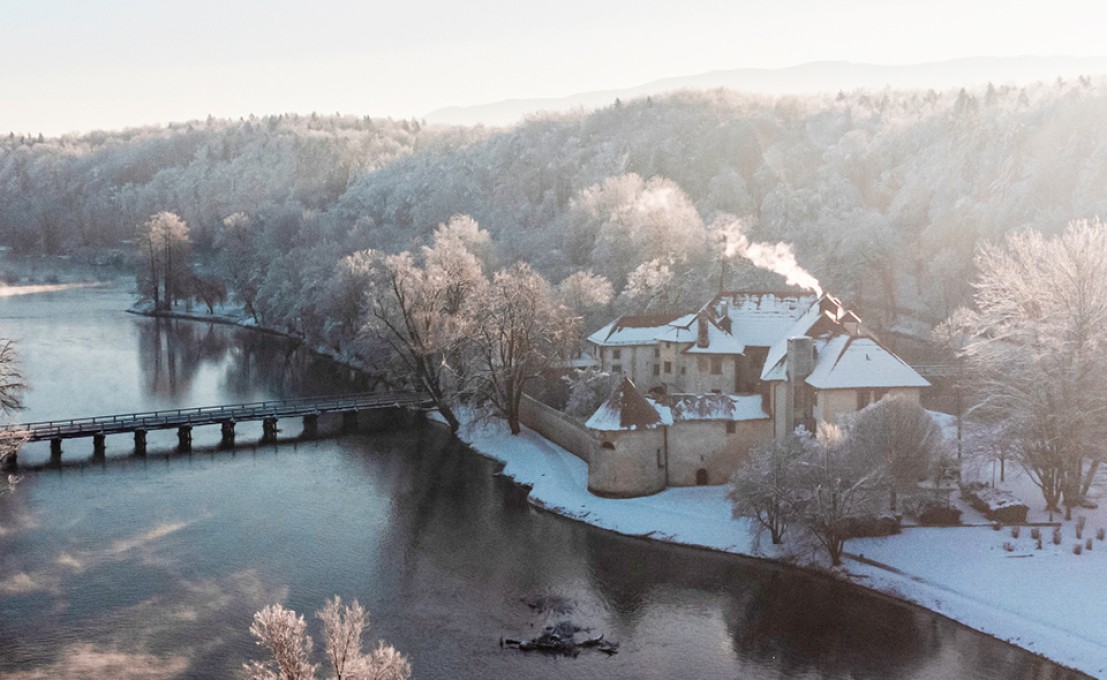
(626, 409)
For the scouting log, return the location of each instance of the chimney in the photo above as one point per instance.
(701, 330)
(801, 358)
(798, 363)
(724, 316)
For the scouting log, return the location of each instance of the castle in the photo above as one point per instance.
(701, 389)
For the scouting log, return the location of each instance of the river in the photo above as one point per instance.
(153, 567)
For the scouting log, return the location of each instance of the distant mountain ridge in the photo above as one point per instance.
(810, 78)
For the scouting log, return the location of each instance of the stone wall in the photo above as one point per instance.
(559, 428)
(707, 446)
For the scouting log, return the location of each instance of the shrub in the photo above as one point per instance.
(934, 513)
(995, 504)
(1056, 535)
(1014, 532)
(1009, 546)
(1038, 543)
(1099, 534)
(1088, 544)
(1077, 549)
(1036, 533)
(1080, 522)
(871, 526)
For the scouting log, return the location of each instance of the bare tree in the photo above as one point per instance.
(764, 487)
(517, 329)
(836, 486)
(823, 485)
(1037, 341)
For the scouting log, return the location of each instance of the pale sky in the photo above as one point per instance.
(77, 65)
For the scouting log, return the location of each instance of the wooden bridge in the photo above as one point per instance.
(268, 412)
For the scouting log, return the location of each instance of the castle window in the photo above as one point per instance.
(863, 399)
(616, 354)
(657, 369)
(716, 365)
(668, 367)
(656, 352)
(616, 368)
(730, 429)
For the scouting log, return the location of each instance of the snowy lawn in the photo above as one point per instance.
(1046, 601)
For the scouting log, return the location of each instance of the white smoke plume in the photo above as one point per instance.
(776, 257)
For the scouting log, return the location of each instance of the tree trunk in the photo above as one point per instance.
(448, 414)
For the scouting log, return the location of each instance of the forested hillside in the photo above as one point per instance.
(883, 194)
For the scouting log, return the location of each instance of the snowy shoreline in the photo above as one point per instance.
(913, 567)
(917, 572)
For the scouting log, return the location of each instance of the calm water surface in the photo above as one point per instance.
(157, 564)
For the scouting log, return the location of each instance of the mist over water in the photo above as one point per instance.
(153, 567)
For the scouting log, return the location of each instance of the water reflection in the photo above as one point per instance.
(163, 560)
(173, 353)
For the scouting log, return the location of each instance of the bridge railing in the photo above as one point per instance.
(210, 414)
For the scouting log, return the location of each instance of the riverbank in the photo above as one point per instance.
(1042, 601)
(1039, 600)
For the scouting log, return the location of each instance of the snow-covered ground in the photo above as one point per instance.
(1046, 601)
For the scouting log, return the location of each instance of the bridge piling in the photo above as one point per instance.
(11, 463)
(55, 451)
(184, 438)
(269, 430)
(227, 427)
(140, 442)
(349, 422)
(311, 426)
(98, 446)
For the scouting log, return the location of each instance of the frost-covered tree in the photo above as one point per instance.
(899, 435)
(12, 385)
(163, 249)
(1036, 343)
(823, 485)
(837, 484)
(584, 294)
(409, 312)
(418, 306)
(588, 388)
(284, 635)
(240, 259)
(764, 487)
(516, 330)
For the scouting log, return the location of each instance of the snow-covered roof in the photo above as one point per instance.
(847, 362)
(627, 409)
(640, 329)
(718, 342)
(826, 317)
(693, 407)
(759, 319)
(680, 330)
